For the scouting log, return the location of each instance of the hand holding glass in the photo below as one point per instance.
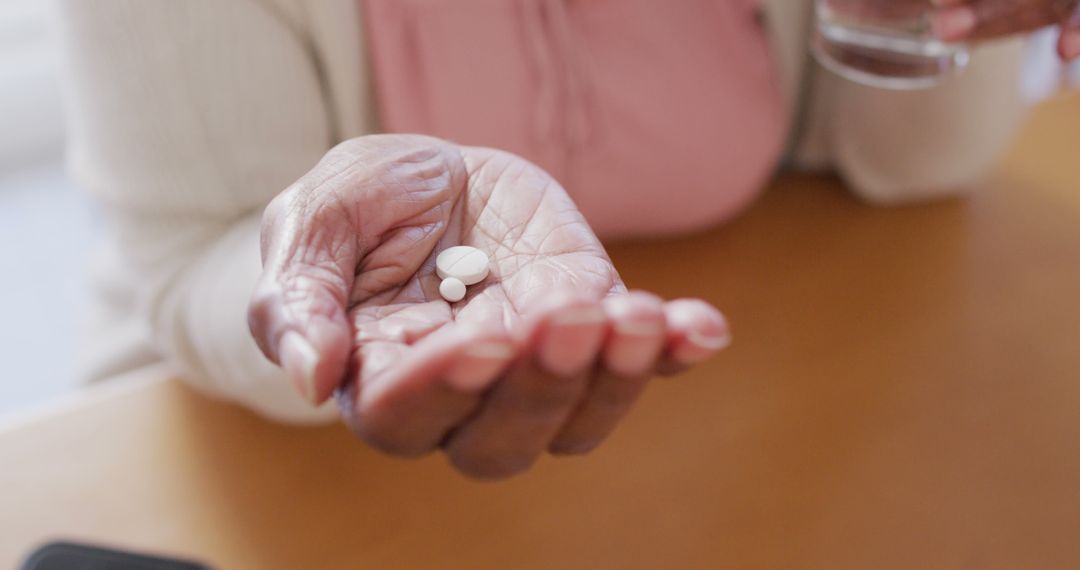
(884, 43)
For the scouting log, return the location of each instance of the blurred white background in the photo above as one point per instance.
(45, 226)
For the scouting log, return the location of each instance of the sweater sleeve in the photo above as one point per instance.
(899, 146)
(185, 119)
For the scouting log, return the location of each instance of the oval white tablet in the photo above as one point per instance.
(466, 263)
(452, 289)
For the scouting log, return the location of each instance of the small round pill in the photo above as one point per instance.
(466, 263)
(452, 289)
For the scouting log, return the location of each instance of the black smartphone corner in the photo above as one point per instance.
(69, 556)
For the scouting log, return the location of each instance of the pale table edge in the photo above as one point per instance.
(85, 396)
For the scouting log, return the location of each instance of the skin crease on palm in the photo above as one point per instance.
(545, 355)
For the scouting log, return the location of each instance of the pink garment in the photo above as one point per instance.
(657, 116)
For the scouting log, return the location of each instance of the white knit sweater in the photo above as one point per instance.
(187, 117)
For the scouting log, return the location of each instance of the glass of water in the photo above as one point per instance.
(884, 43)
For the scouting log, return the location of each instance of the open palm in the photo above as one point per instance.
(546, 354)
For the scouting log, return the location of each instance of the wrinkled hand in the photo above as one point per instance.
(547, 354)
(959, 20)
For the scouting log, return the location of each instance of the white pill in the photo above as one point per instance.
(452, 289)
(468, 264)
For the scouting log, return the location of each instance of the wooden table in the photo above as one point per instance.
(903, 392)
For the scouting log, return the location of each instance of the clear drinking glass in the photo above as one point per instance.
(884, 43)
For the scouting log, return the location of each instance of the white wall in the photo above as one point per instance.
(31, 119)
(46, 227)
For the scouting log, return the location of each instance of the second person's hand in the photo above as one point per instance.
(965, 20)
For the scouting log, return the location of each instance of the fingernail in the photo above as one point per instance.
(480, 364)
(638, 328)
(572, 340)
(633, 350)
(299, 359)
(699, 347)
(1070, 45)
(707, 342)
(953, 23)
